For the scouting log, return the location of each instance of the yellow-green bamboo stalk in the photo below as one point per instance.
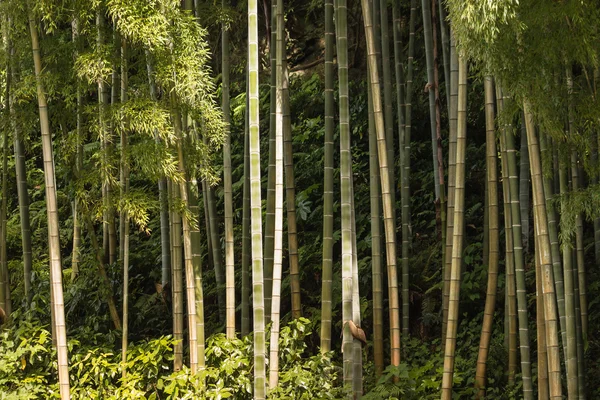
(458, 234)
(494, 241)
(52, 211)
(388, 206)
(545, 258)
(228, 192)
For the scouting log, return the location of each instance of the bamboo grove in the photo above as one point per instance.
(374, 199)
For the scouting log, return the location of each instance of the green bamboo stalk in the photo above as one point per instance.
(176, 278)
(400, 80)
(581, 274)
(510, 291)
(458, 233)
(428, 37)
(229, 246)
(165, 234)
(124, 217)
(524, 189)
(554, 242)
(255, 202)
(494, 241)
(445, 32)
(22, 182)
(52, 212)
(543, 380)
(569, 298)
(386, 187)
(545, 258)
(388, 111)
(406, 201)
(377, 277)
(438, 134)
(328, 182)
(357, 366)
(290, 196)
(523, 320)
(197, 267)
(453, 120)
(187, 244)
(5, 301)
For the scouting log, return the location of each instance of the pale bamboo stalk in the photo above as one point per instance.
(270, 211)
(376, 273)
(453, 120)
(388, 206)
(58, 308)
(278, 232)
(227, 181)
(255, 203)
(458, 234)
(547, 276)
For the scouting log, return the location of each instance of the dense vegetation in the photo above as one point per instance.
(310, 200)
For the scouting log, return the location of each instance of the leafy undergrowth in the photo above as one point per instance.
(28, 369)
